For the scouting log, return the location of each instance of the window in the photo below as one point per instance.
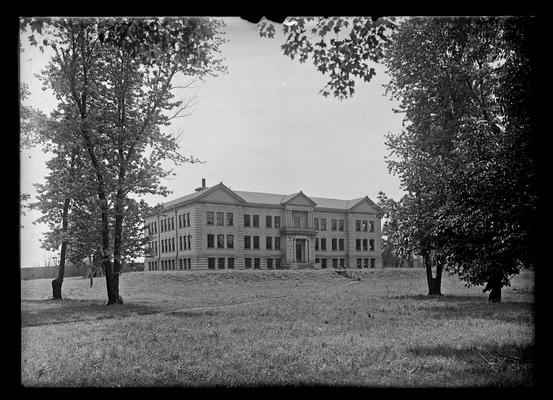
(323, 244)
(323, 224)
(341, 225)
(256, 221)
(268, 242)
(155, 247)
(372, 262)
(269, 263)
(189, 241)
(172, 244)
(342, 262)
(210, 243)
(316, 221)
(269, 221)
(334, 263)
(172, 223)
(188, 219)
(358, 244)
(358, 225)
(220, 218)
(277, 222)
(317, 260)
(246, 219)
(297, 221)
(230, 219)
(277, 263)
(341, 244)
(221, 263)
(333, 224)
(365, 246)
(323, 262)
(365, 263)
(358, 263)
(210, 218)
(371, 244)
(230, 241)
(364, 225)
(277, 242)
(230, 263)
(180, 221)
(316, 243)
(334, 244)
(180, 264)
(220, 241)
(371, 226)
(256, 242)
(247, 242)
(155, 227)
(256, 263)
(248, 263)
(211, 263)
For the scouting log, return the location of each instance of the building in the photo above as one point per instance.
(220, 228)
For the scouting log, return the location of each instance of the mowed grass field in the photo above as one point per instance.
(258, 328)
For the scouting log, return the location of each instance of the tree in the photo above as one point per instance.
(116, 75)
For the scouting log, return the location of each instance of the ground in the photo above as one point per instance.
(252, 328)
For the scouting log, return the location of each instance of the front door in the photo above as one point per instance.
(300, 250)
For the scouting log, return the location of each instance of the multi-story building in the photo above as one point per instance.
(220, 228)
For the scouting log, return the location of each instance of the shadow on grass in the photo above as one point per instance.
(46, 312)
(455, 307)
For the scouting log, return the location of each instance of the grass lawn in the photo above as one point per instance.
(252, 328)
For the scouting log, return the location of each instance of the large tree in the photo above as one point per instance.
(116, 74)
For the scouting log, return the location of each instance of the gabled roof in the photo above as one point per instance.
(290, 197)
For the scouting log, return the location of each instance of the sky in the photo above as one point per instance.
(261, 127)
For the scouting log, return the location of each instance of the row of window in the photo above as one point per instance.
(361, 225)
(170, 265)
(338, 225)
(184, 220)
(220, 263)
(270, 262)
(338, 244)
(151, 228)
(271, 221)
(220, 241)
(361, 262)
(269, 240)
(168, 245)
(220, 218)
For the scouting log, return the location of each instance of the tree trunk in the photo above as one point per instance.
(494, 286)
(434, 283)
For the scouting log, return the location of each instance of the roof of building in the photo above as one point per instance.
(271, 198)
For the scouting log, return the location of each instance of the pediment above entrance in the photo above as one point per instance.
(220, 194)
(298, 199)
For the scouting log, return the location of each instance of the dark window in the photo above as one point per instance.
(257, 263)
(357, 224)
(334, 263)
(211, 263)
(188, 219)
(210, 218)
(371, 226)
(269, 263)
(180, 221)
(220, 218)
(341, 244)
(246, 219)
(269, 242)
(180, 264)
(323, 244)
(248, 262)
(221, 263)
(230, 241)
(277, 242)
(342, 262)
(220, 241)
(230, 219)
(365, 263)
(247, 242)
(323, 262)
(256, 221)
(230, 263)
(358, 263)
(210, 240)
(358, 244)
(317, 260)
(333, 224)
(256, 242)
(316, 221)
(269, 221)
(189, 241)
(172, 244)
(277, 263)
(364, 226)
(334, 244)
(316, 243)
(277, 222)
(323, 224)
(172, 223)
(372, 262)
(341, 225)
(371, 244)
(365, 246)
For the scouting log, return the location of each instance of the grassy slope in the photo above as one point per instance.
(319, 328)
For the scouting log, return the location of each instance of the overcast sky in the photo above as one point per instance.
(261, 127)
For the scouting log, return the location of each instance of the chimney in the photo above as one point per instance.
(202, 187)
